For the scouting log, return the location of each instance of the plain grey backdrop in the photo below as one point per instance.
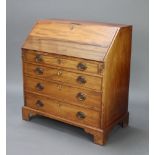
(49, 137)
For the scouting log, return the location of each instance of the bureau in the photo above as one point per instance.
(78, 72)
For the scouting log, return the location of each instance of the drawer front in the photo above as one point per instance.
(75, 64)
(56, 74)
(69, 112)
(64, 93)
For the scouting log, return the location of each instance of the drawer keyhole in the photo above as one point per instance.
(59, 86)
(59, 73)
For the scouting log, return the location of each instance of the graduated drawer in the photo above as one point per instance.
(58, 74)
(77, 96)
(63, 61)
(67, 111)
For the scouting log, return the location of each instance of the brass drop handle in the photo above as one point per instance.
(81, 80)
(39, 71)
(81, 96)
(80, 115)
(39, 86)
(81, 66)
(38, 58)
(39, 104)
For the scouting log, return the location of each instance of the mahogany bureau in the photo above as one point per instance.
(78, 73)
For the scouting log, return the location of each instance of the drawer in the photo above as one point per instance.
(69, 112)
(59, 74)
(80, 97)
(62, 61)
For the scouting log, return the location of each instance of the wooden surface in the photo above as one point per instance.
(66, 111)
(28, 113)
(83, 22)
(80, 40)
(116, 78)
(63, 92)
(57, 48)
(59, 74)
(88, 52)
(61, 61)
(97, 35)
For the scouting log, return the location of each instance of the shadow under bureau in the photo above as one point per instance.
(78, 73)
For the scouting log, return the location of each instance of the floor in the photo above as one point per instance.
(43, 136)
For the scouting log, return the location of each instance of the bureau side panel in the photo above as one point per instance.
(116, 78)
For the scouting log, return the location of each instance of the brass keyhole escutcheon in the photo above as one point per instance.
(59, 86)
(59, 73)
(74, 25)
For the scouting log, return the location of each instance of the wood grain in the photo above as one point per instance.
(59, 48)
(116, 77)
(98, 35)
(66, 111)
(63, 92)
(88, 52)
(80, 40)
(27, 111)
(59, 74)
(61, 61)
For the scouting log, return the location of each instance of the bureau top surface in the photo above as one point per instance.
(88, 40)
